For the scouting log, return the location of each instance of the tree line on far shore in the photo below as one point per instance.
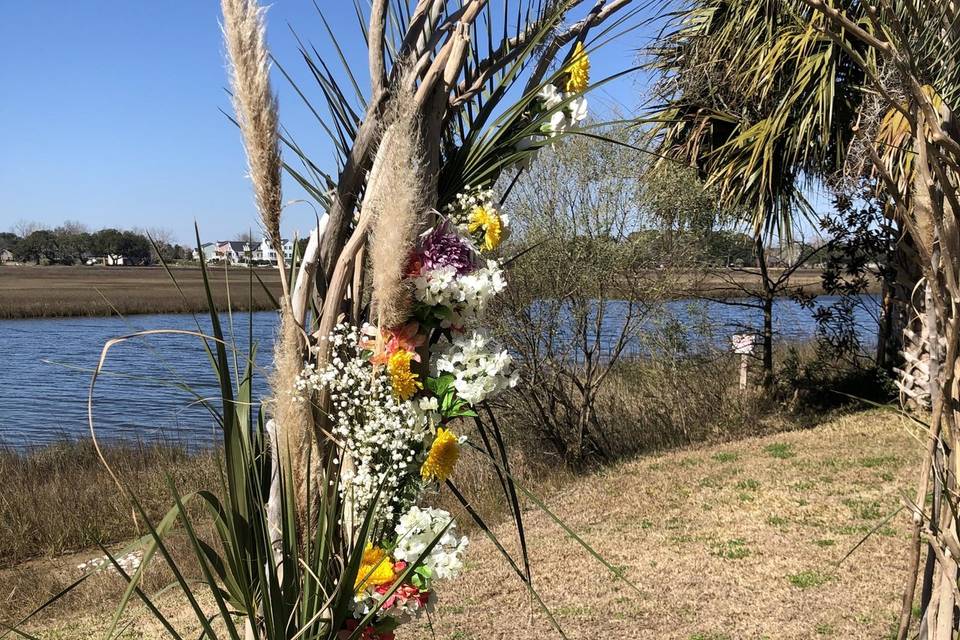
(73, 243)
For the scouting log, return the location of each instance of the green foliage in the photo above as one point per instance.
(751, 96)
(8, 240)
(735, 549)
(821, 383)
(726, 456)
(39, 246)
(451, 405)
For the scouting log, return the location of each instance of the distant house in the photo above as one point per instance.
(6, 256)
(209, 251)
(267, 254)
(110, 260)
(236, 252)
(241, 252)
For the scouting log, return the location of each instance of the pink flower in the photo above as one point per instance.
(404, 338)
(406, 595)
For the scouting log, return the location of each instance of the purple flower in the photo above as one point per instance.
(443, 248)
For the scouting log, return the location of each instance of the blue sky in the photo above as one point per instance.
(111, 111)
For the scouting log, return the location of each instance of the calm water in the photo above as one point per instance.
(45, 368)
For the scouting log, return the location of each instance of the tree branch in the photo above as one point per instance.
(376, 40)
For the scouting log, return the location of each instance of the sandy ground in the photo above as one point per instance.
(725, 542)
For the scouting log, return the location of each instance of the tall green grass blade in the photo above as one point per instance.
(205, 566)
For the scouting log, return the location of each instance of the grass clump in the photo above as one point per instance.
(780, 450)
(808, 579)
(60, 498)
(735, 549)
(726, 456)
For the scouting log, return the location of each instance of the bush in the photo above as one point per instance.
(814, 382)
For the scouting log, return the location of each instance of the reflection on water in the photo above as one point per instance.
(47, 363)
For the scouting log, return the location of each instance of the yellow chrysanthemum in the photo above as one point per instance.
(379, 567)
(578, 70)
(403, 380)
(490, 223)
(443, 456)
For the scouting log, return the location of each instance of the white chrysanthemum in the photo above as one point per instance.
(479, 373)
(573, 113)
(417, 529)
(465, 296)
(578, 110)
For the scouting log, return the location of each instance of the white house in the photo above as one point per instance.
(110, 260)
(267, 253)
(209, 252)
(6, 256)
(236, 252)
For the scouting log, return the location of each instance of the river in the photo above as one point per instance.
(46, 365)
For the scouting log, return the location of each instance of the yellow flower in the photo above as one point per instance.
(578, 70)
(443, 456)
(482, 218)
(376, 569)
(404, 381)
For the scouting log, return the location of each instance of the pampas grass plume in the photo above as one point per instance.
(244, 32)
(397, 196)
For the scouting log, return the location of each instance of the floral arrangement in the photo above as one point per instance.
(394, 394)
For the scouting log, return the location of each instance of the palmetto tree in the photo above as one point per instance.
(792, 90)
(766, 105)
(763, 103)
(909, 56)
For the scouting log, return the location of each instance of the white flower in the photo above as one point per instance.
(574, 112)
(429, 404)
(550, 96)
(558, 122)
(418, 528)
(464, 203)
(465, 296)
(578, 109)
(383, 436)
(478, 372)
(524, 144)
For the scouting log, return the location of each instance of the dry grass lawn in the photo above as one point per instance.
(734, 541)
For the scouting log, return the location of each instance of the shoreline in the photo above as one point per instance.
(32, 292)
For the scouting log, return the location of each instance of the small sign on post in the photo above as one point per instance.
(743, 343)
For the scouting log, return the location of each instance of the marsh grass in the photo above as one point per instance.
(59, 498)
(56, 291)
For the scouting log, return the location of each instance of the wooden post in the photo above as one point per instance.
(744, 345)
